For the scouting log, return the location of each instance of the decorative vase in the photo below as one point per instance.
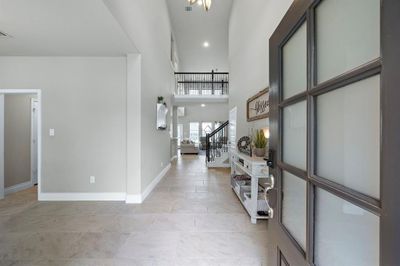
(259, 152)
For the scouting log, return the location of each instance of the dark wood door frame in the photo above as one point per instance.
(388, 66)
(390, 165)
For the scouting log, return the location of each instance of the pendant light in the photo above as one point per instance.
(207, 4)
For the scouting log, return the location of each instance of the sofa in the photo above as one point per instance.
(189, 147)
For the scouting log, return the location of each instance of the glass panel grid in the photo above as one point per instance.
(294, 135)
(345, 234)
(348, 136)
(347, 35)
(294, 54)
(294, 207)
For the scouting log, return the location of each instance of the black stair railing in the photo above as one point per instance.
(202, 83)
(217, 142)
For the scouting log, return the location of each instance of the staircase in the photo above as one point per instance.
(217, 152)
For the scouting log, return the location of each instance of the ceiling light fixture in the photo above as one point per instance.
(203, 105)
(206, 44)
(206, 3)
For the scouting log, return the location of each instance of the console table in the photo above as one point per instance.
(248, 191)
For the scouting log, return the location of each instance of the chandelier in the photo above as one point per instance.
(205, 3)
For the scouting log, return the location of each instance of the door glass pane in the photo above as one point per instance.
(295, 63)
(348, 130)
(294, 207)
(345, 234)
(347, 35)
(294, 135)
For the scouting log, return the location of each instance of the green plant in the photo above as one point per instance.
(260, 141)
(160, 99)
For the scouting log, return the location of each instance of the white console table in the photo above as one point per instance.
(249, 194)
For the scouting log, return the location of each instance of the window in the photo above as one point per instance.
(206, 128)
(194, 131)
(180, 133)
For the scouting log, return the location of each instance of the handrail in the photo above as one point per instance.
(218, 129)
(217, 144)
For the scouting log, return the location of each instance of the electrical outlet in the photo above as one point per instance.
(92, 179)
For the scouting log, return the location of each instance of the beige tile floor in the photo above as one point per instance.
(191, 218)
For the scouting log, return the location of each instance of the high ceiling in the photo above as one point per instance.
(193, 28)
(61, 28)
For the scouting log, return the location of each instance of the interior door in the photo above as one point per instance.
(334, 125)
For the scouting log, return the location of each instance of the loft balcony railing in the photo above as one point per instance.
(201, 83)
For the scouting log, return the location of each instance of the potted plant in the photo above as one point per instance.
(260, 142)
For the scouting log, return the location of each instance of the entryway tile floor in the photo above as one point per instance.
(191, 218)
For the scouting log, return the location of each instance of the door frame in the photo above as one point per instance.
(33, 121)
(387, 66)
(38, 93)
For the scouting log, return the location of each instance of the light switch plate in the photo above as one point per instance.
(52, 132)
(92, 180)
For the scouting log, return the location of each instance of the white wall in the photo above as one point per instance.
(147, 23)
(250, 28)
(195, 113)
(17, 139)
(84, 100)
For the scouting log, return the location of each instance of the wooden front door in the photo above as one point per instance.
(335, 134)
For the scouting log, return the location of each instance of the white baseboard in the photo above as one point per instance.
(137, 199)
(18, 187)
(133, 199)
(119, 196)
(122, 196)
(154, 183)
(174, 157)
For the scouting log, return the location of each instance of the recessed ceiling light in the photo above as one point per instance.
(206, 44)
(200, 3)
(203, 105)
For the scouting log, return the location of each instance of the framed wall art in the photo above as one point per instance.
(258, 106)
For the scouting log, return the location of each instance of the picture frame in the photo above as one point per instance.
(258, 106)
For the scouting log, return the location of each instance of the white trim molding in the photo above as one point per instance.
(133, 199)
(113, 196)
(200, 98)
(38, 93)
(118, 196)
(137, 199)
(18, 187)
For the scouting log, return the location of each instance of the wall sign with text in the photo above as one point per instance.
(258, 106)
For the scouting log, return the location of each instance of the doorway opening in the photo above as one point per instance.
(20, 140)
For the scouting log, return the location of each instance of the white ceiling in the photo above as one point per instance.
(193, 28)
(61, 28)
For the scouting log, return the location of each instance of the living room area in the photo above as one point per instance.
(195, 121)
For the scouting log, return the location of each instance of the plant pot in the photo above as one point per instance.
(259, 152)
